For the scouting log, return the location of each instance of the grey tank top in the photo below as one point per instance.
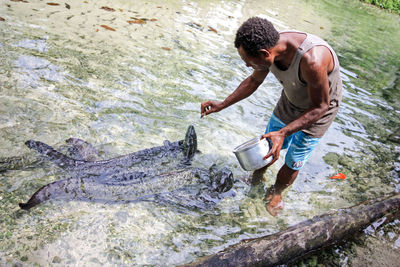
(294, 100)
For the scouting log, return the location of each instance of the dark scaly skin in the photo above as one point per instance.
(66, 162)
(86, 163)
(189, 146)
(109, 180)
(81, 149)
(82, 167)
(130, 186)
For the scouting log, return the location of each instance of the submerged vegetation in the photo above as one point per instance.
(127, 75)
(393, 5)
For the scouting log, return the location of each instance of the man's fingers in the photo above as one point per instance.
(205, 109)
(265, 136)
(204, 105)
(272, 162)
(275, 155)
(268, 155)
(205, 113)
(273, 152)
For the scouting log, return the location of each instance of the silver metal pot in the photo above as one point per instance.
(251, 154)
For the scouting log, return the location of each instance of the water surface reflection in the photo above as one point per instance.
(64, 75)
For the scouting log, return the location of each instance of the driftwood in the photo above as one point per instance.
(308, 236)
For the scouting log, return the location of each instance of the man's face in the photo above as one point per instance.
(260, 62)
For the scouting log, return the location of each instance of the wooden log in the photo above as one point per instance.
(305, 237)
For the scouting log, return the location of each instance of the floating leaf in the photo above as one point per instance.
(136, 21)
(136, 18)
(108, 8)
(166, 48)
(19, 1)
(339, 176)
(212, 29)
(107, 27)
(195, 25)
(2, 19)
(53, 4)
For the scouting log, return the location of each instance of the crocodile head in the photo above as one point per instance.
(221, 180)
(189, 144)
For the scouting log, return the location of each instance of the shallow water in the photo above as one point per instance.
(64, 75)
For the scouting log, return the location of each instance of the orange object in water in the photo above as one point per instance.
(107, 28)
(339, 176)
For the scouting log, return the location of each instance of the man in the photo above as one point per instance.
(308, 69)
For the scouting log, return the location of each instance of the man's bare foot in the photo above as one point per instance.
(275, 204)
(270, 192)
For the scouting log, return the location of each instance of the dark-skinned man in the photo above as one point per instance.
(308, 69)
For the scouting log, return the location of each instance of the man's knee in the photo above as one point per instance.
(300, 150)
(286, 171)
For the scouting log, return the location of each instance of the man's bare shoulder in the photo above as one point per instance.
(316, 58)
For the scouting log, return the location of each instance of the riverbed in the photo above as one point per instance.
(127, 75)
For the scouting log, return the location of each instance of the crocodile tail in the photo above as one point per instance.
(58, 158)
(38, 197)
(67, 188)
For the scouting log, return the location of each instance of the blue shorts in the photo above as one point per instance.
(300, 144)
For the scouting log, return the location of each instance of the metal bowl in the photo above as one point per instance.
(251, 154)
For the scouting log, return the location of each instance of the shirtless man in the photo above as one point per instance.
(308, 69)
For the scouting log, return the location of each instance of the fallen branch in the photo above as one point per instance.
(300, 239)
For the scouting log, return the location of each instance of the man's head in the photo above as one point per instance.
(256, 34)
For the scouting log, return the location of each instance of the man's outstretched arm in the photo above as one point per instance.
(244, 90)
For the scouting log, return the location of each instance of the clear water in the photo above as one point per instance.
(64, 75)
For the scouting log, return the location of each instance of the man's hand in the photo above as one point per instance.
(277, 139)
(245, 89)
(209, 107)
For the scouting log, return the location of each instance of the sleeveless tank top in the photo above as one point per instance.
(294, 100)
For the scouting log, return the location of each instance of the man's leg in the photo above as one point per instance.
(274, 124)
(284, 179)
(298, 153)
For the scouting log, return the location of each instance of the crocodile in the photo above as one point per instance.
(134, 176)
(136, 161)
(81, 156)
(128, 187)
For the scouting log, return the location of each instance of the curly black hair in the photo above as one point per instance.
(255, 34)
